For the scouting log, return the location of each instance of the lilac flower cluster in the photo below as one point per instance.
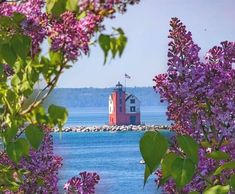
(72, 36)
(35, 24)
(85, 184)
(200, 97)
(68, 34)
(42, 167)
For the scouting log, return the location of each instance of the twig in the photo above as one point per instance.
(52, 85)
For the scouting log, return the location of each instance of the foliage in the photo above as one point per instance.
(69, 26)
(148, 144)
(114, 43)
(38, 171)
(83, 184)
(201, 102)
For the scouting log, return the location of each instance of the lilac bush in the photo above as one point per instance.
(85, 184)
(201, 103)
(36, 21)
(70, 28)
(67, 33)
(41, 169)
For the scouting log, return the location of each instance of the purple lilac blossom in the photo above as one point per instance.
(201, 100)
(42, 166)
(67, 33)
(85, 184)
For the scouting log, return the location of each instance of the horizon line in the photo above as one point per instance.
(90, 87)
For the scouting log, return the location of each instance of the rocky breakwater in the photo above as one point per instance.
(113, 128)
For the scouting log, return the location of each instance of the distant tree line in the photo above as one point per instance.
(98, 97)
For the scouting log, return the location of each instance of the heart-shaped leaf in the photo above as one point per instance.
(189, 146)
(182, 171)
(153, 147)
(218, 189)
(34, 135)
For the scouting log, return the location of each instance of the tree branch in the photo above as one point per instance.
(52, 85)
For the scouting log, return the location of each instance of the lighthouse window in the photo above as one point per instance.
(132, 108)
(120, 101)
(132, 101)
(120, 109)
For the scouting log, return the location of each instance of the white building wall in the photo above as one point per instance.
(111, 105)
(136, 104)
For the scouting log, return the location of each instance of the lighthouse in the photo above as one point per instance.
(124, 108)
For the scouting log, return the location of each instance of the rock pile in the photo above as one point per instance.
(113, 128)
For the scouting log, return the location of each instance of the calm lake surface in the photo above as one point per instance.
(114, 156)
(97, 116)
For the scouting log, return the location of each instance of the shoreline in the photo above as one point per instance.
(115, 128)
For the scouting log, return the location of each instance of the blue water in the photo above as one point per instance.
(98, 116)
(114, 156)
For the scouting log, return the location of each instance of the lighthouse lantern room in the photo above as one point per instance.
(124, 108)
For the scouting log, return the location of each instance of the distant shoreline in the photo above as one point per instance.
(115, 128)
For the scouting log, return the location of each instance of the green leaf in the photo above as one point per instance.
(21, 45)
(120, 31)
(104, 42)
(81, 15)
(34, 135)
(153, 147)
(17, 149)
(11, 133)
(121, 41)
(113, 47)
(205, 144)
(12, 151)
(147, 173)
(15, 81)
(18, 17)
(182, 171)
(1, 69)
(58, 115)
(26, 88)
(72, 5)
(8, 54)
(218, 189)
(39, 116)
(11, 101)
(189, 146)
(24, 146)
(232, 182)
(194, 192)
(56, 58)
(5, 20)
(225, 166)
(49, 5)
(58, 8)
(167, 164)
(218, 155)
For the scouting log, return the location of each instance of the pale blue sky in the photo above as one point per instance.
(147, 25)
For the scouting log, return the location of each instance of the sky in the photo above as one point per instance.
(146, 26)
